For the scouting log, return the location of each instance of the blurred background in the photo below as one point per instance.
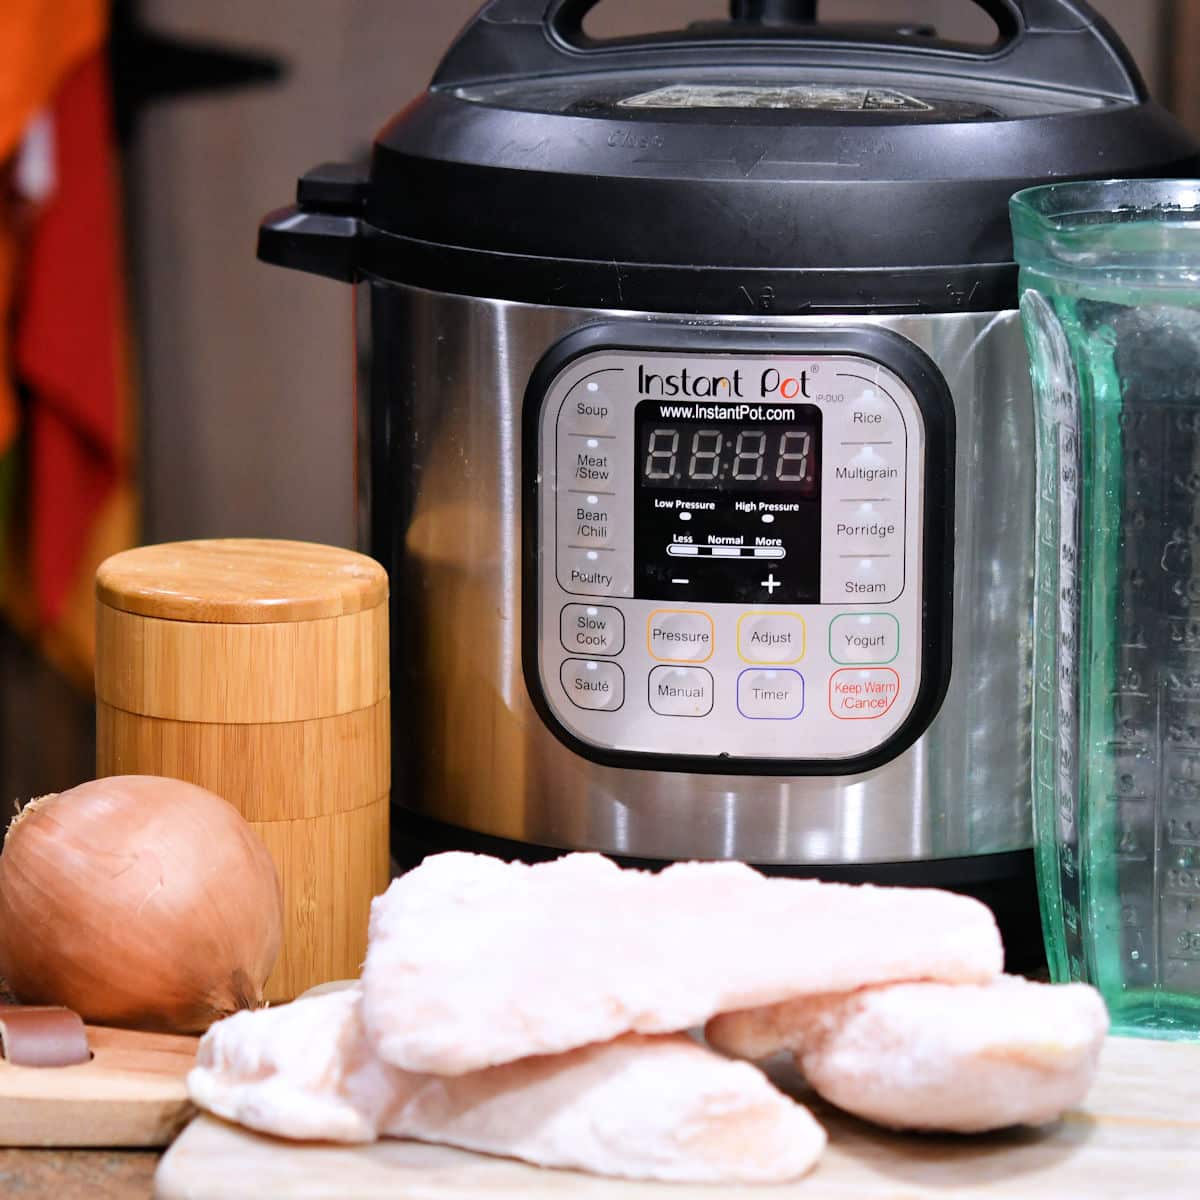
(158, 383)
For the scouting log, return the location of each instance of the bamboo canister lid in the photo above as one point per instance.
(240, 581)
(241, 631)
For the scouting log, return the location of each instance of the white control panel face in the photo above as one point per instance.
(729, 554)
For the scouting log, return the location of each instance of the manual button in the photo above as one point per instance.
(681, 691)
(591, 684)
(679, 635)
(771, 637)
(592, 629)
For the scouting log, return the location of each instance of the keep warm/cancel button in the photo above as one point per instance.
(859, 694)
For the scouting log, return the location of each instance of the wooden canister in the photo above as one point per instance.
(259, 670)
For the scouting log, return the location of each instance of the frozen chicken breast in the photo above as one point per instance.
(637, 1107)
(928, 1056)
(474, 962)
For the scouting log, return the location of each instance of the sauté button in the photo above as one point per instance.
(771, 637)
(592, 684)
(770, 695)
(679, 635)
(864, 638)
(862, 693)
(681, 691)
(592, 629)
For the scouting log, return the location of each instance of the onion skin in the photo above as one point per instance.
(138, 901)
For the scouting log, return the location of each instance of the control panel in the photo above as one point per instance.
(731, 552)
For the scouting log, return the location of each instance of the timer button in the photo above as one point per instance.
(599, 686)
(680, 635)
(777, 638)
(770, 695)
(592, 629)
(681, 691)
(864, 638)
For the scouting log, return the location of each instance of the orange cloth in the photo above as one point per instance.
(41, 42)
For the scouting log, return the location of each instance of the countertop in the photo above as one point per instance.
(77, 1174)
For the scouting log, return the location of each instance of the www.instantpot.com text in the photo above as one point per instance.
(724, 412)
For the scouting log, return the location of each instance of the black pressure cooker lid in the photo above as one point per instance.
(770, 162)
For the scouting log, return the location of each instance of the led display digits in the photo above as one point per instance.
(729, 456)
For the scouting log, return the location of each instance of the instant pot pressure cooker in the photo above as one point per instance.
(698, 433)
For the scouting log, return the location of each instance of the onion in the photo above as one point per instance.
(138, 901)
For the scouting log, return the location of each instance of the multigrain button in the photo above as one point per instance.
(592, 629)
(679, 635)
(592, 684)
(863, 693)
(771, 637)
(681, 691)
(864, 638)
(770, 695)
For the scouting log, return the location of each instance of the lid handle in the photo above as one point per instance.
(1060, 43)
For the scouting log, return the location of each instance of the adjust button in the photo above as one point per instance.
(592, 684)
(770, 695)
(679, 635)
(681, 691)
(770, 637)
(864, 693)
(864, 638)
(592, 629)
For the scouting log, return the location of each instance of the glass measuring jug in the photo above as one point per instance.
(1110, 301)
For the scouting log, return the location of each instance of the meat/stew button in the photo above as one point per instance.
(863, 693)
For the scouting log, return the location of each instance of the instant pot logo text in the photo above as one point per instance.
(770, 382)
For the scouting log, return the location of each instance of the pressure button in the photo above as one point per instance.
(680, 635)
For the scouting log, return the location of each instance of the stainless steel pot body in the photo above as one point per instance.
(442, 457)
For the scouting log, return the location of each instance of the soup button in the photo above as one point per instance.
(590, 684)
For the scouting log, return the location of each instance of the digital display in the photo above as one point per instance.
(731, 456)
(727, 502)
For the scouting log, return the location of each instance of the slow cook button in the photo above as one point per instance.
(864, 638)
(770, 637)
(864, 693)
(770, 695)
(592, 629)
(681, 691)
(679, 635)
(592, 684)
(589, 407)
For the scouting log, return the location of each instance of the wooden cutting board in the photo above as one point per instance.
(1137, 1135)
(132, 1093)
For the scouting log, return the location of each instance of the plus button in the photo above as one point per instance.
(771, 583)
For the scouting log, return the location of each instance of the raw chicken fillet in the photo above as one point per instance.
(930, 1056)
(638, 1107)
(474, 962)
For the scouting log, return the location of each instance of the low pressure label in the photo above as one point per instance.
(827, 97)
